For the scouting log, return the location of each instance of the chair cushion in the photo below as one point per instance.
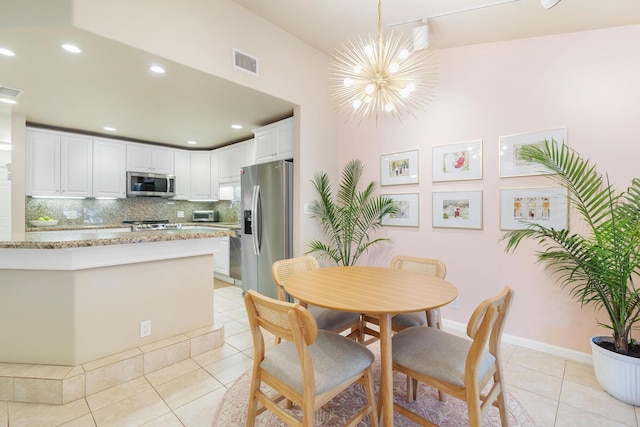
(331, 320)
(436, 354)
(406, 320)
(335, 359)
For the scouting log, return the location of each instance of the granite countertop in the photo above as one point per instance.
(60, 237)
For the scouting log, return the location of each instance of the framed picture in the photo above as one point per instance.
(546, 206)
(457, 209)
(399, 168)
(409, 214)
(512, 164)
(457, 162)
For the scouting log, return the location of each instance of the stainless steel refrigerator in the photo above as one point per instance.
(267, 222)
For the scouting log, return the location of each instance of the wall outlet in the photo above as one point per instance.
(145, 328)
(455, 304)
(180, 214)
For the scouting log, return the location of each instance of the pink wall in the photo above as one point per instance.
(588, 82)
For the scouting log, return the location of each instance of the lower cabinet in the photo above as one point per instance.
(221, 256)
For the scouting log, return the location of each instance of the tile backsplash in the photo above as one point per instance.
(83, 212)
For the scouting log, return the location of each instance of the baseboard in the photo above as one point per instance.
(554, 350)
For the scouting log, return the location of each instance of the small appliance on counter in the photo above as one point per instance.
(206, 216)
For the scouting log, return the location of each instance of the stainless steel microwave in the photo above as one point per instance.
(141, 184)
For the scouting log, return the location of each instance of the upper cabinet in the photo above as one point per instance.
(232, 158)
(109, 168)
(58, 165)
(182, 163)
(145, 158)
(274, 141)
(203, 175)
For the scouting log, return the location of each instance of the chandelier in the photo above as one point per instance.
(379, 79)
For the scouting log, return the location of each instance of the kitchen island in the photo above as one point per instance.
(71, 297)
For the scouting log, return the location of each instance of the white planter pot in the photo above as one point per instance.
(618, 374)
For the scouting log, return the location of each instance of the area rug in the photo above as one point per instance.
(232, 410)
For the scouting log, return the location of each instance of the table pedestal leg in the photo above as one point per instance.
(386, 377)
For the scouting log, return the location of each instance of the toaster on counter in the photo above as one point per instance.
(206, 216)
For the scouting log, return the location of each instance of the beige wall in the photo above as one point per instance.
(587, 82)
(72, 317)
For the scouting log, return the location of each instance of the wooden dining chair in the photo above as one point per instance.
(431, 267)
(455, 365)
(331, 320)
(309, 367)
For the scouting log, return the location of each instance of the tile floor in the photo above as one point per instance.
(556, 392)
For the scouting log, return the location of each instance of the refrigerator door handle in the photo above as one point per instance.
(256, 213)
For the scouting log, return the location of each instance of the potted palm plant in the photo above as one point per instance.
(348, 218)
(598, 265)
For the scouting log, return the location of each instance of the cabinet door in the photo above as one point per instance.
(215, 183)
(225, 159)
(138, 158)
(43, 164)
(182, 168)
(76, 167)
(285, 140)
(265, 146)
(200, 176)
(109, 169)
(221, 256)
(162, 161)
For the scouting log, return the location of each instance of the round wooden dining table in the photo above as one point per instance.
(380, 291)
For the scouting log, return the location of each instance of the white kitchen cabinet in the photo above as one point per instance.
(200, 162)
(58, 165)
(109, 168)
(182, 169)
(215, 182)
(231, 159)
(274, 141)
(145, 158)
(221, 255)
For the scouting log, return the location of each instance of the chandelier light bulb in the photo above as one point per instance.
(369, 50)
(394, 67)
(348, 82)
(357, 69)
(404, 53)
(369, 89)
(356, 104)
(388, 107)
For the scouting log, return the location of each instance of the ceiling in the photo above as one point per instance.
(104, 86)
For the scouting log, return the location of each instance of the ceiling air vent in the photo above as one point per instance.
(245, 62)
(10, 92)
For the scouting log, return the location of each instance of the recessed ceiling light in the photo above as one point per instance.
(71, 48)
(192, 142)
(6, 52)
(8, 101)
(157, 69)
(236, 126)
(109, 128)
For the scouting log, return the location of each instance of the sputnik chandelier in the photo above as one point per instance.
(381, 79)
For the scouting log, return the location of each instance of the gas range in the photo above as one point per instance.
(148, 225)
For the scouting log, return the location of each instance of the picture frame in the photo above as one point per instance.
(511, 164)
(409, 215)
(457, 162)
(457, 209)
(399, 168)
(548, 206)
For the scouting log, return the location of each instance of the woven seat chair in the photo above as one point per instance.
(431, 267)
(331, 320)
(309, 367)
(455, 365)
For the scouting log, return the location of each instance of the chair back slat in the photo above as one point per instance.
(432, 267)
(281, 270)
